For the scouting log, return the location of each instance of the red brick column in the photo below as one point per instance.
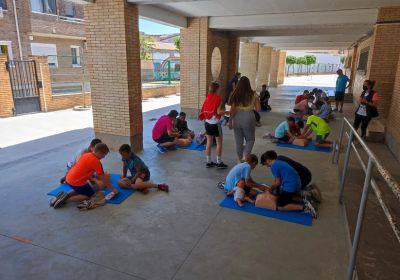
(114, 70)
(264, 66)
(6, 99)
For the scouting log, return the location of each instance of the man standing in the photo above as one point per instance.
(232, 85)
(341, 85)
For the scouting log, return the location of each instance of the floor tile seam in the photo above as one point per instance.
(196, 244)
(72, 256)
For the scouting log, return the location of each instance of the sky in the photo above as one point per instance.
(153, 28)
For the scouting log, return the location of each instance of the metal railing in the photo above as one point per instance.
(373, 162)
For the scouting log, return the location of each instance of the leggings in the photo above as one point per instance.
(364, 121)
(244, 127)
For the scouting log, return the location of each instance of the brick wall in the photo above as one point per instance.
(387, 14)
(393, 123)
(248, 61)
(6, 100)
(264, 65)
(114, 66)
(281, 67)
(273, 80)
(197, 45)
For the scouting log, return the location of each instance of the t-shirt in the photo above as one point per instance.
(264, 95)
(238, 172)
(318, 125)
(181, 125)
(325, 110)
(302, 106)
(341, 83)
(73, 160)
(281, 129)
(161, 127)
(299, 98)
(83, 170)
(362, 109)
(134, 164)
(303, 172)
(290, 180)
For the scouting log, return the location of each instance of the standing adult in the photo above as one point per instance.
(367, 107)
(341, 85)
(243, 102)
(231, 86)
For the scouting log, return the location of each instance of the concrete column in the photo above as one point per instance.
(264, 65)
(6, 98)
(273, 78)
(281, 67)
(114, 69)
(198, 43)
(248, 61)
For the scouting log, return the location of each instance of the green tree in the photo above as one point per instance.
(177, 43)
(290, 60)
(301, 61)
(310, 60)
(342, 59)
(146, 47)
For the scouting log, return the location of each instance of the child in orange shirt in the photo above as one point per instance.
(81, 173)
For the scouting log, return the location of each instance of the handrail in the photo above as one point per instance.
(372, 162)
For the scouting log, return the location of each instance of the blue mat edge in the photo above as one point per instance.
(300, 218)
(309, 147)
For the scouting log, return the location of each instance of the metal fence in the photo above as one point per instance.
(318, 68)
(373, 163)
(161, 71)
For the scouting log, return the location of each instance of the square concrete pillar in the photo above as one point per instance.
(281, 67)
(206, 55)
(264, 65)
(273, 77)
(248, 61)
(114, 69)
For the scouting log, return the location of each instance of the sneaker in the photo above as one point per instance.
(210, 164)
(221, 165)
(161, 149)
(62, 199)
(221, 185)
(309, 208)
(316, 193)
(163, 187)
(54, 199)
(62, 180)
(97, 200)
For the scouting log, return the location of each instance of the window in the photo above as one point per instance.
(69, 9)
(3, 4)
(5, 48)
(75, 54)
(49, 50)
(363, 61)
(44, 6)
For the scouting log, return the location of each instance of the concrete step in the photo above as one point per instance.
(376, 131)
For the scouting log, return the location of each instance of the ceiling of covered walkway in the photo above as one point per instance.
(282, 24)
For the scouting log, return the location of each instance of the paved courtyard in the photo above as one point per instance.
(180, 235)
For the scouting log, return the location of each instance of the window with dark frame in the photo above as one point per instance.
(44, 6)
(69, 9)
(363, 60)
(75, 55)
(3, 4)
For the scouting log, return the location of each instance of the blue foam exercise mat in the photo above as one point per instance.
(310, 147)
(193, 146)
(119, 198)
(296, 217)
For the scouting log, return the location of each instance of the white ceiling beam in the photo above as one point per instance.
(162, 16)
(309, 19)
(306, 39)
(332, 45)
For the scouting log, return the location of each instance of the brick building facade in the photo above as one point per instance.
(47, 27)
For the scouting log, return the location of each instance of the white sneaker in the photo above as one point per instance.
(308, 208)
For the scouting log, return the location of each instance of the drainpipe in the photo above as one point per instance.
(17, 27)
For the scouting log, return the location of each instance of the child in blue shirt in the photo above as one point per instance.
(140, 173)
(288, 184)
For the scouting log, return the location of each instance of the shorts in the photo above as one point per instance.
(145, 176)
(213, 129)
(339, 96)
(285, 198)
(164, 139)
(284, 139)
(320, 139)
(85, 190)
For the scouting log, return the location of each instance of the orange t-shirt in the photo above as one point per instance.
(84, 169)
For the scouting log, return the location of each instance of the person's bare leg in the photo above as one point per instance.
(326, 144)
(219, 145)
(124, 183)
(341, 105)
(239, 202)
(183, 142)
(77, 198)
(167, 144)
(140, 184)
(291, 207)
(209, 145)
(337, 104)
(248, 199)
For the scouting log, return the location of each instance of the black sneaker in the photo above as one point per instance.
(62, 180)
(61, 200)
(222, 165)
(210, 164)
(54, 199)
